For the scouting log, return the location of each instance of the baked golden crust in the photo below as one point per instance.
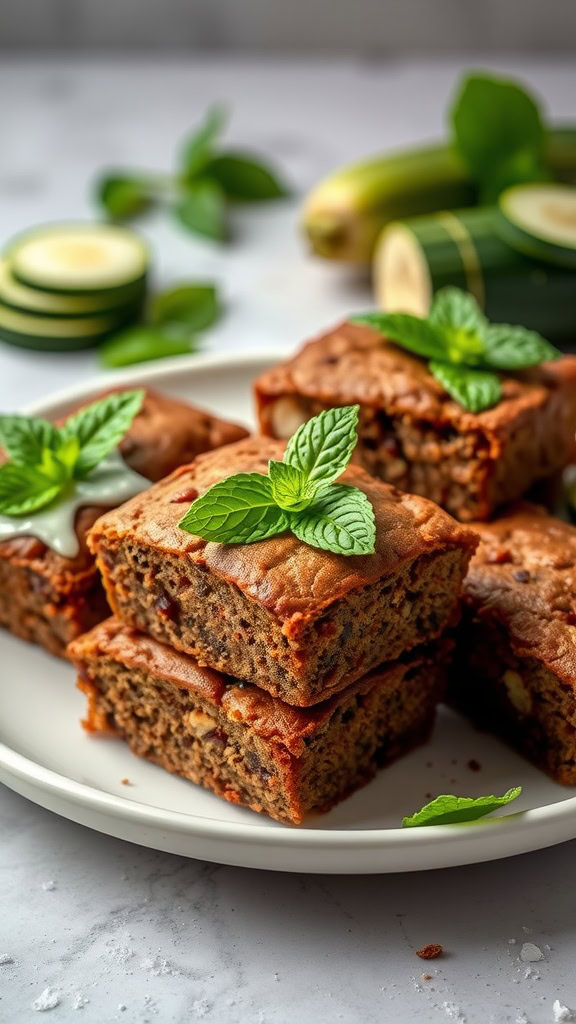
(292, 580)
(523, 576)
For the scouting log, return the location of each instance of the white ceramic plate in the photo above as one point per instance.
(46, 756)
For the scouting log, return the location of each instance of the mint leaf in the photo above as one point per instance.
(239, 510)
(321, 447)
(198, 149)
(202, 210)
(474, 389)
(195, 306)
(290, 489)
(516, 348)
(143, 344)
(24, 438)
(124, 196)
(340, 520)
(454, 309)
(244, 178)
(100, 427)
(412, 332)
(495, 124)
(24, 489)
(453, 810)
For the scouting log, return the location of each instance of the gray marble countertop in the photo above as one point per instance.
(96, 930)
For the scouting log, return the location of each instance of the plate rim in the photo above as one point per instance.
(13, 763)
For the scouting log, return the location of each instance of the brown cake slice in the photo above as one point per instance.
(412, 433)
(515, 670)
(48, 599)
(240, 742)
(297, 621)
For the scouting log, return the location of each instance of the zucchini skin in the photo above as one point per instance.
(345, 213)
(33, 301)
(69, 342)
(463, 248)
(139, 282)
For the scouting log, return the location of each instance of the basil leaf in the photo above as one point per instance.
(100, 427)
(321, 447)
(143, 344)
(412, 332)
(453, 810)
(24, 489)
(198, 149)
(195, 305)
(340, 520)
(516, 348)
(24, 438)
(474, 389)
(493, 120)
(123, 196)
(202, 210)
(290, 490)
(245, 178)
(239, 510)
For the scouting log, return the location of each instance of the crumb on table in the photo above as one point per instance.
(430, 952)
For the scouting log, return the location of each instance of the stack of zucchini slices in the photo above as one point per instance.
(68, 286)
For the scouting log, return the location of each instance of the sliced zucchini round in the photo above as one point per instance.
(539, 220)
(32, 300)
(72, 258)
(55, 334)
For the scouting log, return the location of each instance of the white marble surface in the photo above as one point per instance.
(174, 941)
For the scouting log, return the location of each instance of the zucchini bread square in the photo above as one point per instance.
(515, 666)
(299, 622)
(413, 435)
(237, 740)
(48, 599)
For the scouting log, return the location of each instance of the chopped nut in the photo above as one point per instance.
(286, 416)
(518, 695)
(200, 722)
(430, 952)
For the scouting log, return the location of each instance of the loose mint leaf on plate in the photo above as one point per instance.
(290, 489)
(198, 148)
(474, 389)
(202, 210)
(100, 427)
(195, 306)
(411, 332)
(321, 447)
(239, 510)
(123, 196)
(516, 348)
(142, 344)
(25, 438)
(24, 489)
(340, 520)
(245, 178)
(496, 122)
(453, 810)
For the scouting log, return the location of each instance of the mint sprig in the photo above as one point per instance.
(454, 810)
(299, 494)
(462, 347)
(45, 460)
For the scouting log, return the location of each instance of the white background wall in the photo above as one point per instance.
(371, 27)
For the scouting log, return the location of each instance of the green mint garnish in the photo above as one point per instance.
(299, 494)
(454, 810)
(463, 347)
(46, 460)
(498, 130)
(207, 178)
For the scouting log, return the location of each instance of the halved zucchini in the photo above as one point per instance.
(72, 258)
(540, 221)
(54, 334)
(32, 300)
